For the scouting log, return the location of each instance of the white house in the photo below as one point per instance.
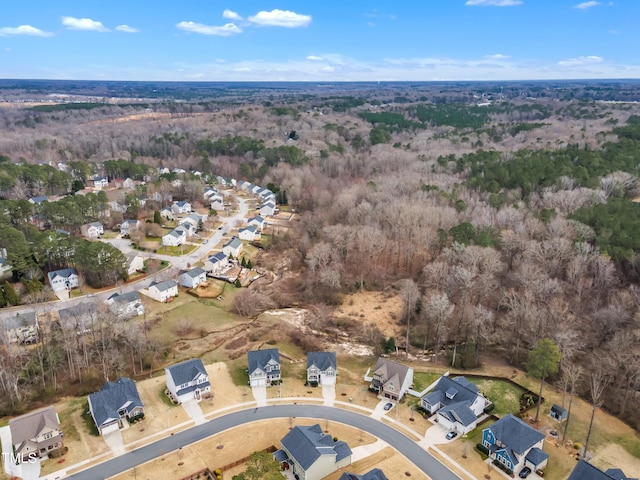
(162, 291)
(126, 304)
(249, 233)
(233, 248)
(217, 204)
(92, 230)
(100, 182)
(181, 207)
(167, 213)
(128, 226)
(176, 237)
(321, 368)
(194, 220)
(209, 192)
(64, 279)
(134, 263)
(216, 264)
(267, 209)
(257, 222)
(187, 380)
(192, 278)
(38, 200)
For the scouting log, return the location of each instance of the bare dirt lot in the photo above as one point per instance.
(383, 309)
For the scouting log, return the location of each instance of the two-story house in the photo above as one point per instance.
(187, 380)
(321, 368)
(35, 434)
(175, 238)
(193, 278)
(311, 454)
(100, 182)
(162, 291)
(249, 233)
(390, 379)
(115, 402)
(134, 263)
(257, 222)
(514, 444)
(64, 279)
(181, 207)
(233, 248)
(216, 264)
(128, 226)
(457, 402)
(126, 304)
(267, 209)
(92, 230)
(264, 367)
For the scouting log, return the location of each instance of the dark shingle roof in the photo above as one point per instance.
(114, 396)
(218, 257)
(375, 474)
(64, 273)
(307, 444)
(163, 286)
(322, 360)
(537, 456)
(124, 298)
(195, 272)
(516, 434)
(260, 358)
(185, 372)
(585, 471)
(235, 242)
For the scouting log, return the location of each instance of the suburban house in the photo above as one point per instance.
(35, 434)
(38, 200)
(216, 264)
(115, 402)
(166, 213)
(264, 367)
(194, 220)
(322, 368)
(135, 263)
(585, 471)
(390, 379)
(100, 182)
(181, 207)
(178, 170)
(457, 403)
(255, 189)
(80, 317)
(257, 222)
(514, 444)
(192, 278)
(23, 328)
(92, 230)
(249, 233)
(126, 304)
(64, 279)
(311, 454)
(558, 413)
(175, 238)
(209, 192)
(163, 291)
(125, 183)
(267, 209)
(221, 180)
(128, 226)
(217, 204)
(233, 248)
(375, 474)
(187, 380)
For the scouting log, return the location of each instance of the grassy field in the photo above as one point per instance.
(422, 380)
(504, 395)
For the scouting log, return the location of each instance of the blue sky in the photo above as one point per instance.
(320, 40)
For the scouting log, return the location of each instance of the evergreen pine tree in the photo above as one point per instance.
(10, 294)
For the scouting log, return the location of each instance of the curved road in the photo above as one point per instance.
(410, 449)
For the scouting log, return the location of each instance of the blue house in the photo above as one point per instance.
(558, 413)
(514, 444)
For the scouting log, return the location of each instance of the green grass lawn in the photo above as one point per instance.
(73, 407)
(504, 395)
(237, 371)
(422, 380)
(177, 251)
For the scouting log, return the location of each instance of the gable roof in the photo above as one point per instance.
(375, 474)
(452, 390)
(234, 243)
(114, 396)
(250, 228)
(585, 471)
(307, 444)
(516, 434)
(181, 203)
(257, 218)
(124, 298)
(195, 272)
(31, 425)
(260, 358)
(64, 273)
(186, 371)
(218, 257)
(391, 371)
(163, 286)
(322, 360)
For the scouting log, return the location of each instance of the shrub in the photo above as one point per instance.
(507, 470)
(482, 448)
(489, 408)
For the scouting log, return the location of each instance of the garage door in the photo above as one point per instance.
(114, 427)
(261, 382)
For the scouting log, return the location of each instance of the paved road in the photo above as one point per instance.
(177, 263)
(410, 449)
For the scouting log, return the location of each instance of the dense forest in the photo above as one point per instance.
(500, 215)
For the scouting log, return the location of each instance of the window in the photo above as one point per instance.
(47, 436)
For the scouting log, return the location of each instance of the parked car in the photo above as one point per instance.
(452, 434)
(524, 473)
(388, 406)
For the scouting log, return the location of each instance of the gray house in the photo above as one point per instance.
(193, 278)
(390, 379)
(115, 402)
(585, 471)
(375, 474)
(264, 367)
(188, 380)
(126, 304)
(36, 433)
(311, 454)
(322, 368)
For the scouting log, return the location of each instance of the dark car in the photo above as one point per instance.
(524, 473)
(388, 406)
(452, 434)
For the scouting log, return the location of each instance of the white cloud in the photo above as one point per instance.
(586, 5)
(225, 30)
(231, 15)
(314, 58)
(127, 29)
(371, 24)
(497, 56)
(494, 3)
(280, 18)
(581, 61)
(73, 23)
(24, 30)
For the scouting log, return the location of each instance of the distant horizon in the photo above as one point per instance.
(329, 41)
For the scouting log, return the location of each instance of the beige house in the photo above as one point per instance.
(390, 379)
(135, 263)
(35, 434)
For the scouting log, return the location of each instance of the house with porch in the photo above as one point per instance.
(390, 379)
(194, 221)
(188, 380)
(36, 434)
(64, 279)
(115, 403)
(216, 264)
(457, 403)
(126, 304)
(322, 368)
(264, 367)
(233, 248)
(100, 182)
(217, 204)
(311, 454)
(162, 291)
(585, 471)
(192, 278)
(375, 474)
(514, 444)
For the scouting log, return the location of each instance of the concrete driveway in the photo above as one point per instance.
(379, 410)
(260, 395)
(436, 435)
(329, 394)
(115, 442)
(192, 407)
